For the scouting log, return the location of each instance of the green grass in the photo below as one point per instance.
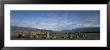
(75, 36)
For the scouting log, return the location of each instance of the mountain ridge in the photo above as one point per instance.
(84, 29)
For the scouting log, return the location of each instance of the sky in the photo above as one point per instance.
(55, 19)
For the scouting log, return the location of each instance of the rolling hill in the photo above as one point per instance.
(16, 28)
(84, 29)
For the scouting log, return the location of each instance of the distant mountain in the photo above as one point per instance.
(84, 29)
(16, 28)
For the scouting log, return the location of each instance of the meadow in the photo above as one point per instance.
(59, 36)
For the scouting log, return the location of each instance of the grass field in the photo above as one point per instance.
(60, 36)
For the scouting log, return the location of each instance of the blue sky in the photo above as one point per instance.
(55, 19)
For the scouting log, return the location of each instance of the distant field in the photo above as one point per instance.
(60, 36)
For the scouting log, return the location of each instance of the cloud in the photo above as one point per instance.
(56, 21)
(61, 25)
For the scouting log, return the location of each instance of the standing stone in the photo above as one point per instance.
(48, 36)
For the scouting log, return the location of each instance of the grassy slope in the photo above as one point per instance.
(89, 36)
